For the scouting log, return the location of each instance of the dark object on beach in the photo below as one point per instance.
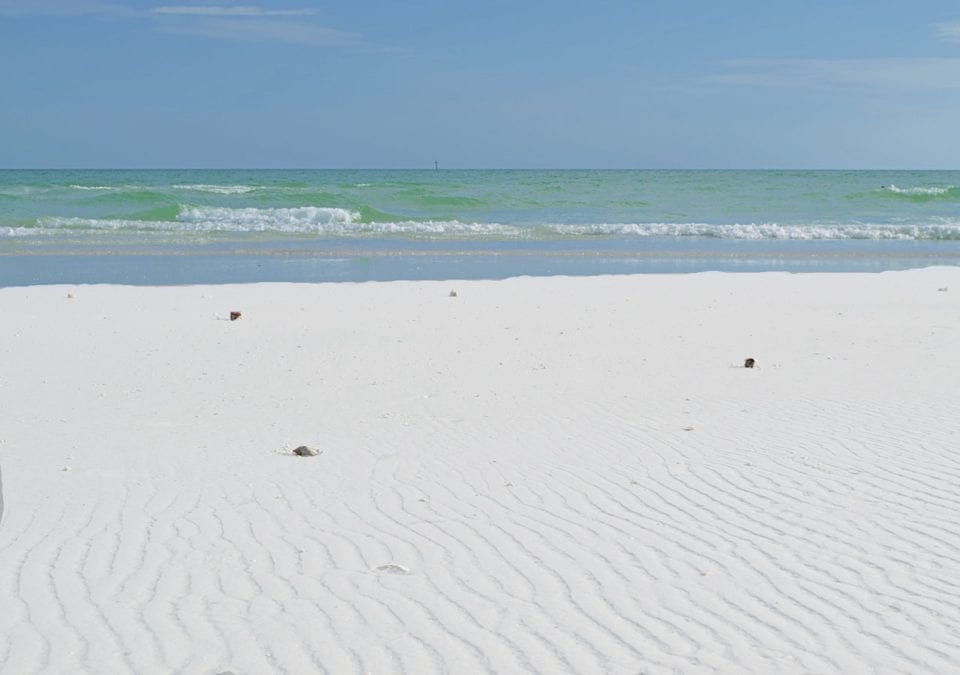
(749, 363)
(304, 451)
(453, 294)
(235, 315)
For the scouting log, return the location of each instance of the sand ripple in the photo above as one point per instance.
(464, 518)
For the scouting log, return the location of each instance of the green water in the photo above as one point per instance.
(524, 218)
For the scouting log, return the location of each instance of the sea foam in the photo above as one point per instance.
(933, 191)
(217, 189)
(295, 219)
(760, 231)
(342, 222)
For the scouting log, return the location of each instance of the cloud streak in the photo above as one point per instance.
(238, 11)
(882, 73)
(251, 24)
(949, 31)
(265, 30)
(292, 26)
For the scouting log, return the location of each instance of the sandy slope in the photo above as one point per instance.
(546, 475)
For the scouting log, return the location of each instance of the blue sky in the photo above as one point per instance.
(526, 84)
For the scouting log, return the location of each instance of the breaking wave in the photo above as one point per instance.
(218, 189)
(921, 193)
(303, 219)
(772, 231)
(342, 222)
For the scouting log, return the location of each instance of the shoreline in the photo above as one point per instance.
(566, 474)
(223, 268)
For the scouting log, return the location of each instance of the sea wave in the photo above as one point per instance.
(332, 222)
(293, 219)
(26, 190)
(307, 219)
(218, 189)
(773, 231)
(342, 222)
(55, 224)
(923, 193)
(15, 232)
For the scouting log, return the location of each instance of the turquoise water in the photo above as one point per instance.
(208, 226)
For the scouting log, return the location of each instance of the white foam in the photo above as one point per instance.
(218, 189)
(14, 232)
(759, 231)
(334, 221)
(453, 228)
(299, 219)
(920, 190)
(302, 220)
(330, 220)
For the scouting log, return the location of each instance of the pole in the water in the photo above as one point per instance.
(436, 166)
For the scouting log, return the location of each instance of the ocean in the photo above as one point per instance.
(163, 227)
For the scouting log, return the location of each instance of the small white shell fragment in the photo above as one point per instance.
(392, 568)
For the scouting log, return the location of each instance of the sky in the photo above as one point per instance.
(479, 84)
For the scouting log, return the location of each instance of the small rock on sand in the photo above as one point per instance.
(452, 294)
(304, 451)
(749, 363)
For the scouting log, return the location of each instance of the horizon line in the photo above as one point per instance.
(432, 169)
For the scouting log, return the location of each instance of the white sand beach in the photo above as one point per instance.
(551, 475)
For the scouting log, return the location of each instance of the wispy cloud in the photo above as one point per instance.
(265, 30)
(293, 26)
(238, 11)
(62, 8)
(889, 73)
(949, 30)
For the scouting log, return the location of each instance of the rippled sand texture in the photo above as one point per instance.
(538, 475)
